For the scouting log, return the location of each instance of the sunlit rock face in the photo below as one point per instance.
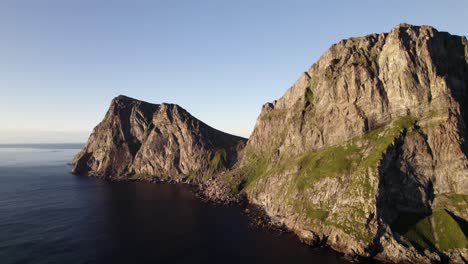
(139, 140)
(368, 145)
(366, 152)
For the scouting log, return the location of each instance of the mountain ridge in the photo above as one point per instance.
(374, 130)
(132, 130)
(366, 152)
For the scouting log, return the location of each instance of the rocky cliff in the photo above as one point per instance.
(139, 140)
(367, 151)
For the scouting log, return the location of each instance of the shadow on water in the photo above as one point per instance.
(169, 224)
(50, 216)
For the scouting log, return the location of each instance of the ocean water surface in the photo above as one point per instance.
(48, 215)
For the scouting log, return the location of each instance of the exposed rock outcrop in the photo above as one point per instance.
(139, 140)
(366, 152)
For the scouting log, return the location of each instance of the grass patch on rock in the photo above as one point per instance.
(256, 166)
(328, 162)
(316, 213)
(438, 231)
(217, 163)
(353, 163)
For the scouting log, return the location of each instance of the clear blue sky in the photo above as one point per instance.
(62, 61)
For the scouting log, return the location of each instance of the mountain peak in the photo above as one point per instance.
(365, 138)
(366, 152)
(156, 140)
(124, 98)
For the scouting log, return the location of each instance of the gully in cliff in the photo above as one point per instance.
(366, 152)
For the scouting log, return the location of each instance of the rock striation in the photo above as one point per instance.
(366, 152)
(143, 141)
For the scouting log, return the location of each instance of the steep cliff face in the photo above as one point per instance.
(367, 151)
(144, 141)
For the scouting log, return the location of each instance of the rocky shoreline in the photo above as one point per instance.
(256, 214)
(212, 193)
(208, 194)
(366, 152)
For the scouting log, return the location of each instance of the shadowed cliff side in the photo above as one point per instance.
(367, 151)
(139, 140)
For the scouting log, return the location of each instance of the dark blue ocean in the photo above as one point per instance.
(48, 215)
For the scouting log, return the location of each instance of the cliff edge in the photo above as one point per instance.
(143, 141)
(367, 151)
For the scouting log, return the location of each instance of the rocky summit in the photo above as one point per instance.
(366, 152)
(143, 141)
